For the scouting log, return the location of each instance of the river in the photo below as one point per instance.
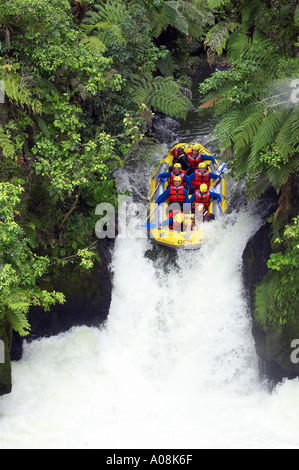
(175, 364)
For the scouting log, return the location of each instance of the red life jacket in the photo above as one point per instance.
(201, 178)
(194, 161)
(175, 225)
(181, 174)
(177, 194)
(202, 198)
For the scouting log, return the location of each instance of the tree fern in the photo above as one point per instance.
(287, 137)
(107, 20)
(215, 4)
(167, 66)
(246, 131)
(237, 44)
(176, 17)
(266, 133)
(161, 94)
(256, 185)
(278, 176)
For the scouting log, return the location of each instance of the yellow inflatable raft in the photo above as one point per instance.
(188, 239)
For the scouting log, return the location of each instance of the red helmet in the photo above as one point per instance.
(176, 152)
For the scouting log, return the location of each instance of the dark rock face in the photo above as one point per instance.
(87, 303)
(273, 345)
(5, 367)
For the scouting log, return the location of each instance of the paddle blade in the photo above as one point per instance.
(149, 225)
(222, 168)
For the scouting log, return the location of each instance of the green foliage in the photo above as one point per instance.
(6, 144)
(186, 17)
(19, 267)
(277, 295)
(253, 99)
(289, 260)
(161, 94)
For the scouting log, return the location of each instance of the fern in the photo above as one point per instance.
(287, 138)
(218, 35)
(279, 176)
(167, 66)
(18, 306)
(21, 95)
(93, 43)
(108, 20)
(237, 44)
(266, 133)
(176, 17)
(6, 144)
(246, 131)
(215, 4)
(256, 186)
(161, 94)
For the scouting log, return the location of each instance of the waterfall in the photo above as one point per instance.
(173, 367)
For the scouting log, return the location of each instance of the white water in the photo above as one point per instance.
(175, 366)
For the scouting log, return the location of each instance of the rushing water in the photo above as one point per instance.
(175, 364)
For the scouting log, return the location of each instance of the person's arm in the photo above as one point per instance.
(188, 180)
(168, 222)
(217, 178)
(163, 196)
(186, 196)
(162, 175)
(217, 196)
(209, 157)
(192, 199)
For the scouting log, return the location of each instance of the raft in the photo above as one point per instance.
(173, 238)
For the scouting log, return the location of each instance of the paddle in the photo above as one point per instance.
(162, 180)
(145, 223)
(222, 168)
(149, 225)
(153, 193)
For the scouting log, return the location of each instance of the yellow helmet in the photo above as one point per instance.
(177, 178)
(202, 165)
(203, 188)
(195, 147)
(179, 218)
(177, 165)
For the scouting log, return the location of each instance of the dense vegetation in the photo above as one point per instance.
(257, 100)
(82, 80)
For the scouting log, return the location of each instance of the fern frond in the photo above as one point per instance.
(224, 128)
(162, 94)
(279, 176)
(176, 17)
(246, 131)
(218, 35)
(7, 146)
(215, 4)
(237, 44)
(287, 138)
(211, 102)
(256, 186)
(266, 133)
(93, 43)
(21, 95)
(167, 66)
